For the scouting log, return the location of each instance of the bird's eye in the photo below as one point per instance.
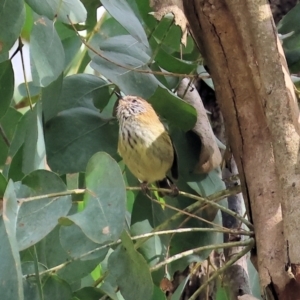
(134, 101)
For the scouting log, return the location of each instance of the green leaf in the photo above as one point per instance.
(110, 27)
(176, 111)
(3, 184)
(33, 90)
(293, 59)
(123, 13)
(66, 134)
(169, 62)
(31, 155)
(290, 22)
(70, 41)
(51, 97)
(53, 288)
(146, 216)
(130, 271)
(34, 152)
(177, 294)
(37, 218)
(59, 9)
(8, 125)
(56, 255)
(9, 122)
(83, 90)
(105, 200)
(11, 285)
(124, 57)
(46, 52)
(88, 293)
(7, 83)
(158, 294)
(76, 243)
(26, 30)
(12, 17)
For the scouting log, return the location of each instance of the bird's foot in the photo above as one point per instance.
(174, 190)
(144, 187)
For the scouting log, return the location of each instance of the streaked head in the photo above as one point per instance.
(129, 106)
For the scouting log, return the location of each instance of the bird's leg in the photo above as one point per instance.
(144, 187)
(174, 189)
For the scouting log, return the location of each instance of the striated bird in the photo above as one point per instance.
(145, 145)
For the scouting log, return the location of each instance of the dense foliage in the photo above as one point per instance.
(68, 220)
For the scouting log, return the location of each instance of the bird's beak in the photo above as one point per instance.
(117, 103)
(118, 95)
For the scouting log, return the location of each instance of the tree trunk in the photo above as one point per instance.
(238, 40)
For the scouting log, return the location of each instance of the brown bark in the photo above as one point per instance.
(239, 41)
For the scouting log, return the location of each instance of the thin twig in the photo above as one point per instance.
(24, 73)
(222, 269)
(53, 195)
(199, 249)
(129, 68)
(181, 230)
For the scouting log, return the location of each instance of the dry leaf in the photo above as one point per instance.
(210, 156)
(174, 7)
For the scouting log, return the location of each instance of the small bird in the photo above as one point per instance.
(145, 145)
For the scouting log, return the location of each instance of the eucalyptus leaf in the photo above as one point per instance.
(177, 112)
(105, 200)
(74, 135)
(83, 90)
(124, 61)
(55, 255)
(60, 9)
(124, 14)
(34, 152)
(37, 218)
(6, 85)
(12, 17)
(130, 271)
(11, 285)
(46, 52)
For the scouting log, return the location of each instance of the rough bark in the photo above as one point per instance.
(239, 41)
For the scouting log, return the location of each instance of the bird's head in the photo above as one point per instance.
(131, 106)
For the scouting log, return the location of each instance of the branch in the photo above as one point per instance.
(127, 67)
(181, 230)
(249, 242)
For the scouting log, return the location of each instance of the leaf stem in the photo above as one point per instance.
(180, 230)
(24, 73)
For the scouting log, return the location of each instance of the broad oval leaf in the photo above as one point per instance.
(83, 90)
(11, 285)
(38, 217)
(7, 83)
(130, 271)
(74, 135)
(123, 13)
(124, 61)
(105, 199)
(178, 113)
(12, 17)
(76, 243)
(60, 9)
(46, 52)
